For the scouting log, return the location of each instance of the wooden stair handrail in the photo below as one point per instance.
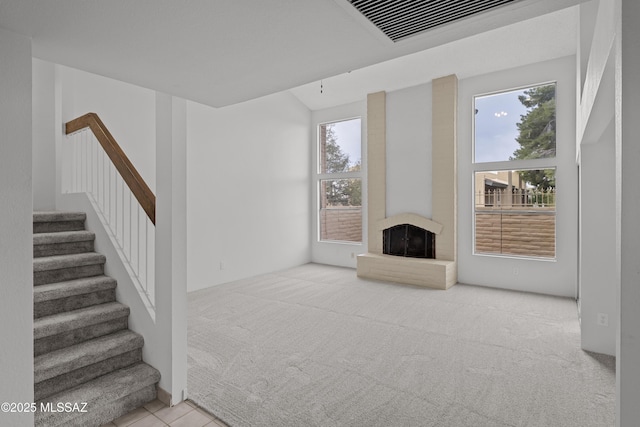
(129, 174)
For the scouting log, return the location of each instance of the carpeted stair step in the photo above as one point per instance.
(84, 351)
(71, 295)
(71, 366)
(52, 222)
(61, 330)
(107, 398)
(60, 268)
(62, 243)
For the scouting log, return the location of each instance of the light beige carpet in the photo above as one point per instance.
(316, 346)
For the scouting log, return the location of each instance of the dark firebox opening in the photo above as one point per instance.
(409, 241)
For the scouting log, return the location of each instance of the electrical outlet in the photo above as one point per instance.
(516, 271)
(603, 319)
(223, 265)
(353, 254)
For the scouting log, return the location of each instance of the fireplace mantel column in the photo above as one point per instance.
(444, 164)
(377, 167)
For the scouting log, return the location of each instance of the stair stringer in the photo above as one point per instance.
(154, 351)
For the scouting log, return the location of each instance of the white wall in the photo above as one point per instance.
(599, 265)
(248, 189)
(336, 253)
(598, 271)
(127, 110)
(593, 120)
(171, 246)
(409, 151)
(16, 225)
(44, 129)
(557, 277)
(628, 159)
(586, 29)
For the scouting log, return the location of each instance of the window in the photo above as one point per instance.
(340, 181)
(515, 172)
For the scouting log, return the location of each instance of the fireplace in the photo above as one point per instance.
(407, 253)
(409, 241)
(412, 236)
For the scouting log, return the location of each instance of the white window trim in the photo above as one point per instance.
(334, 252)
(504, 165)
(320, 176)
(557, 277)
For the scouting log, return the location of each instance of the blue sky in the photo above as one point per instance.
(496, 129)
(349, 138)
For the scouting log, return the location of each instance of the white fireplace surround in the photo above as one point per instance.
(439, 273)
(412, 219)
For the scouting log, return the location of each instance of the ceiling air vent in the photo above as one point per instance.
(400, 19)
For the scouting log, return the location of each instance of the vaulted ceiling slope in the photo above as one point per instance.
(221, 52)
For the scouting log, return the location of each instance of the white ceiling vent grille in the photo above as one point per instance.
(399, 19)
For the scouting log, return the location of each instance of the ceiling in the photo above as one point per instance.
(399, 19)
(542, 38)
(221, 52)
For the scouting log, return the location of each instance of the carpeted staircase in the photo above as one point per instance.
(84, 351)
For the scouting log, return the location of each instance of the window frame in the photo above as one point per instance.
(513, 165)
(324, 176)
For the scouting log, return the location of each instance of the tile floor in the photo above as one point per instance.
(157, 414)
